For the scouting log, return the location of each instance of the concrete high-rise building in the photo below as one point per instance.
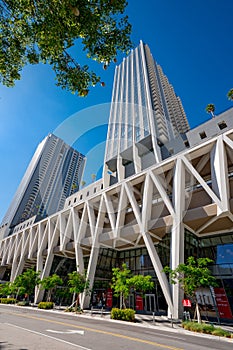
(180, 206)
(53, 174)
(147, 121)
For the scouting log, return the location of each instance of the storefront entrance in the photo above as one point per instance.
(150, 304)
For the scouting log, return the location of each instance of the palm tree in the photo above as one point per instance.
(83, 183)
(93, 177)
(74, 186)
(210, 108)
(230, 94)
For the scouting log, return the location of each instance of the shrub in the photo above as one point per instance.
(45, 305)
(128, 315)
(74, 309)
(7, 300)
(206, 328)
(221, 332)
(23, 303)
(123, 314)
(116, 314)
(196, 327)
(69, 309)
(192, 326)
(187, 325)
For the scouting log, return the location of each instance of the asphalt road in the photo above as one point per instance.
(31, 329)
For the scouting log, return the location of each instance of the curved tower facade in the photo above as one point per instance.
(147, 120)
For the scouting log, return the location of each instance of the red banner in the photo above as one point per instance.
(186, 303)
(222, 303)
(139, 303)
(109, 298)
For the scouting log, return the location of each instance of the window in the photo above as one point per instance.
(186, 143)
(222, 125)
(81, 197)
(87, 193)
(95, 190)
(202, 135)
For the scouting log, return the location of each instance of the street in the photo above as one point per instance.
(28, 329)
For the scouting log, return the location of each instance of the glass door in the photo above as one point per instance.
(150, 304)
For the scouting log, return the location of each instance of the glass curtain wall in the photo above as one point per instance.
(218, 248)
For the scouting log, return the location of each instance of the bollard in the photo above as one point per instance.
(153, 317)
(171, 320)
(102, 311)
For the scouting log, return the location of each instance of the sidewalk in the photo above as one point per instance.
(148, 321)
(163, 322)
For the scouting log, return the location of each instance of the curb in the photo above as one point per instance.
(140, 323)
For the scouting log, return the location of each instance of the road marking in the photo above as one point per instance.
(48, 336)
(99, 331)
(69, 331)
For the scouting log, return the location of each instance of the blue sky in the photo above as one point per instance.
(191, 40)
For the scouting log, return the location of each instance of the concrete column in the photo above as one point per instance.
(2, 272)
(120, 169)
(85, 299)
(137, 160)
(177, 234)
(158, 269)
(146, 216)
(219, 173)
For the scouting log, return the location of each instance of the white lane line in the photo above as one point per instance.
(48, 336)
(69, 331)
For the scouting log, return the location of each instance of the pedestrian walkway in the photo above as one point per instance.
(150, 320)
(143, 320)
(153, 320)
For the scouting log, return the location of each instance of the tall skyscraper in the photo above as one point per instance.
(147, 121)
(53, 174)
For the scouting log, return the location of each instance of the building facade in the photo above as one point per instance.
(53, 174)
(156, 212)
(147, 121)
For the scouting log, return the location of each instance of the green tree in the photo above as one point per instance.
(83, 183)
(50, 283)
(26, 282)
(141, 283)
(93, 177)
(210, 108)
(44, 31)
(7, 289)
(120, 278)
(78, 284)
(191, 276)
(123, 282)
(230, 94)
(74, 186)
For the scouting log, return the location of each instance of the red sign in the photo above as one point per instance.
(109, 298)
(186, 303)
(139, 302)
(222, 303)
